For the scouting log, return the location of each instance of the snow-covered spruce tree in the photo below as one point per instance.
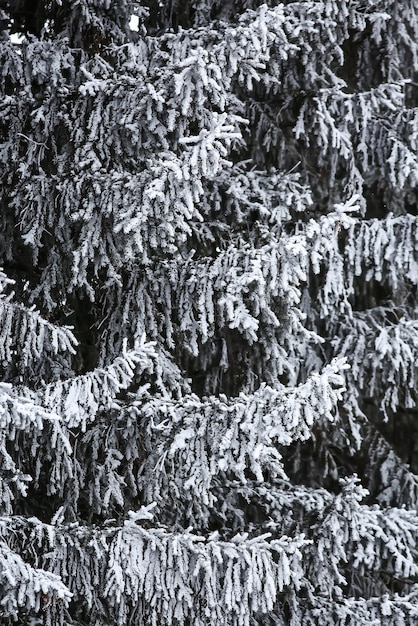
(208, 305)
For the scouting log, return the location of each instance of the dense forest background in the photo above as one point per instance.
(208, 312)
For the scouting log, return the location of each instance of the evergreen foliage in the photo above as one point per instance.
(208, 312)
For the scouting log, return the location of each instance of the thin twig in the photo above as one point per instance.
(38, 143)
